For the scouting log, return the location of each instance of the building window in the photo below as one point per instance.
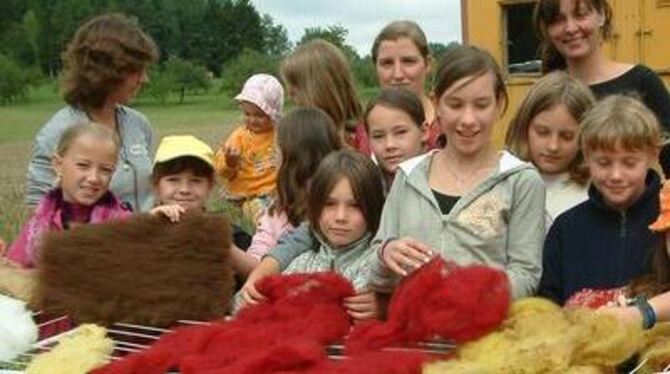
(520, 42)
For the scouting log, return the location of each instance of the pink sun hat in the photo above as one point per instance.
(264, 91)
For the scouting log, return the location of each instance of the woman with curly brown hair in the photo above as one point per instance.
(105, 66)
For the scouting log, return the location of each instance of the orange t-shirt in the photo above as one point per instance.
(256, 173)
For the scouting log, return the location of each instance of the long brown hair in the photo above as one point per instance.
(397, 98)
(402, 29)
(102, 53)
(553, 89)
(317, 74)
(547, 11)
(363, 176)
(304, 137)
(468, 61)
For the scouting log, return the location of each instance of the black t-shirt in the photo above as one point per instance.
(643, 83)
(446, 202)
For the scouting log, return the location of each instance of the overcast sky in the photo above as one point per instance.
(440, 19)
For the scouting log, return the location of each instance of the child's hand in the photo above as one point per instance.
(250, 295)
(173, 212)
(232, 157)
(405, 255)
(363, 306)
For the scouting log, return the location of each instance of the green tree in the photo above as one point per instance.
(32, 28)
(246, 64)
(207, 32)
(275, 37)
(437, 50)
(14, 81)
(364, 71)
(187, 76)
(335, 34)
(160, 86)
(177, 76)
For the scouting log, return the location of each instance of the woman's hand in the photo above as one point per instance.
(173, 212)
(363, 306)
(405, 255)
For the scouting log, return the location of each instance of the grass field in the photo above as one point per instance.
(209, 116)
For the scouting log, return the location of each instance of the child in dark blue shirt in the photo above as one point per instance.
(605, 242)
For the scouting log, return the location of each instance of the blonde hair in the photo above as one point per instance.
(86, 128)
(620, 120)
(553, 89)
(317, 74)
(402, 29)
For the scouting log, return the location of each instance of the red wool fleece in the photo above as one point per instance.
(288, 332)
(440, 300)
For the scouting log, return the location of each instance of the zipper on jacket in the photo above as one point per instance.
(621, 256)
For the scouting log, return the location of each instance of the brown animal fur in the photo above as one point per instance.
(143, 270)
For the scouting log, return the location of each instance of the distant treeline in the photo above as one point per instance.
(227, 38)
(207, 32)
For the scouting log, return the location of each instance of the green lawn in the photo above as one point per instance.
(213, 111)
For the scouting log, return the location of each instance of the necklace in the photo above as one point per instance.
(465, 179)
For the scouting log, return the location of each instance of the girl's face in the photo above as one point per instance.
(86, 169)
(341, 221)
(254, 118)
(552, 139)
(185, 188)
(620, 174)
(467, 111)
(394, 137)
(400, 63)
(575, 33)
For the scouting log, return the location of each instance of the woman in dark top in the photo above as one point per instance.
(572, 33)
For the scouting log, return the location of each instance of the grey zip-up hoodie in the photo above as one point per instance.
(499, 223)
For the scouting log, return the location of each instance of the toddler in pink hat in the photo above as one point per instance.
(246, 160)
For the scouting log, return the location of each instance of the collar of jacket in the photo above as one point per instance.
(346, 254)
(508, 164)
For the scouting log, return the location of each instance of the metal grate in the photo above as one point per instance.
(130, 338)
(127, 338)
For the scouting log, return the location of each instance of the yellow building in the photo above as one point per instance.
(641, 34)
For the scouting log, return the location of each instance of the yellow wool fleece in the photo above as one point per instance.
(77, 353)
(540, 337)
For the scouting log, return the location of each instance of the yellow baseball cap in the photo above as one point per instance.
(175, 146)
